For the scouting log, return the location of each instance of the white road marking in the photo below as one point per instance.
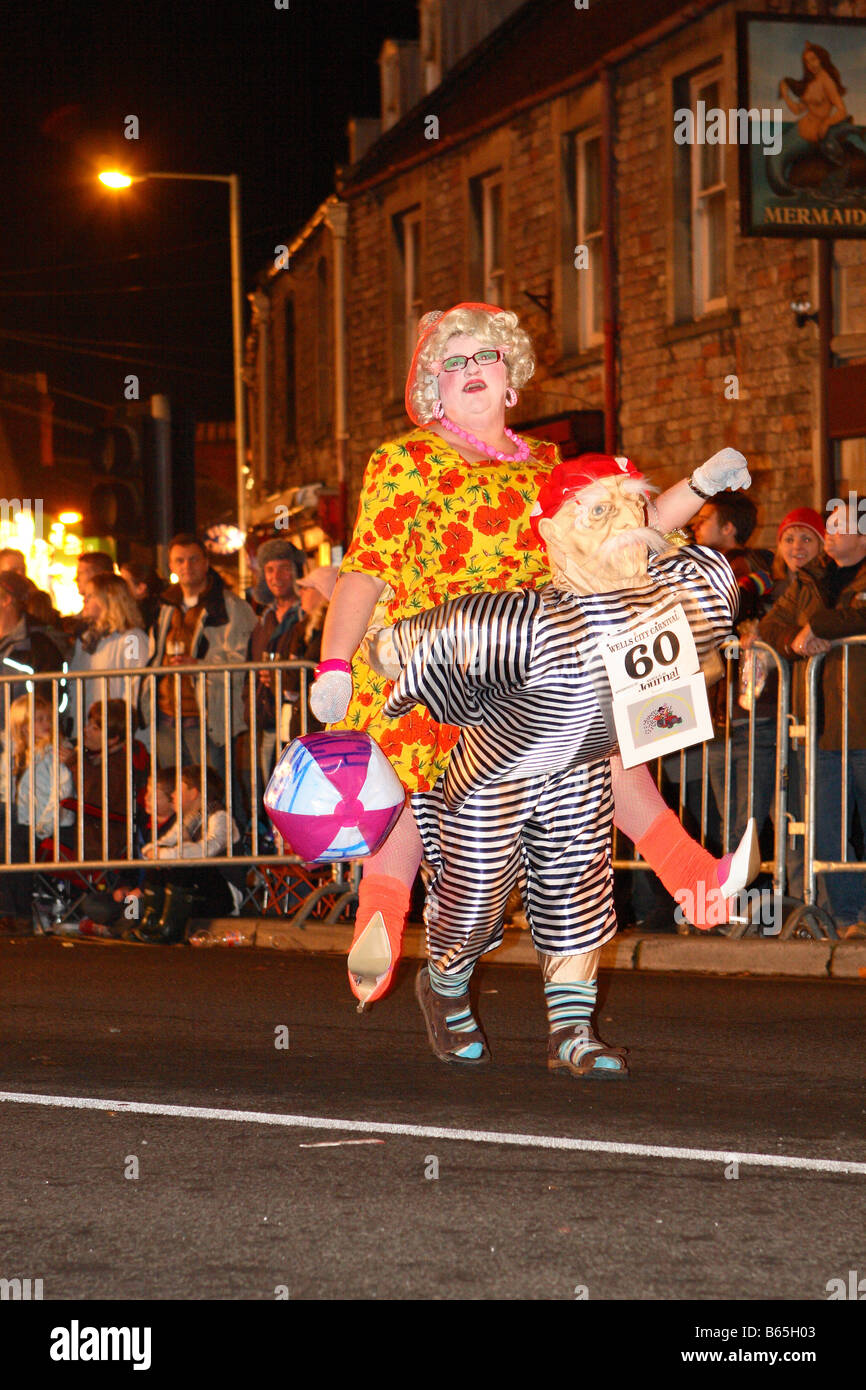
(471, 1136)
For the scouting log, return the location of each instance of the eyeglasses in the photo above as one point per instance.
(485, 357)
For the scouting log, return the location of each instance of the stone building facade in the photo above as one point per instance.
(541, 173)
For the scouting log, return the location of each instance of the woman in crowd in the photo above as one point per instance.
(146, 587)
(445, 511)
(113, 639)
(799, 545)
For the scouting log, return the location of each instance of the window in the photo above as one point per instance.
(430, 16)
(406, 305)
(581, 241)
(590, 281)
(487, 267)
(700, 208)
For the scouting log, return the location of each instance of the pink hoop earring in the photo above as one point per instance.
(438, 410)
(511, 397)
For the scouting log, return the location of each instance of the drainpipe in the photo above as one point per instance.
(337, 218)
(608, 222)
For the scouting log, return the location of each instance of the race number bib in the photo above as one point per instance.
(659, 693)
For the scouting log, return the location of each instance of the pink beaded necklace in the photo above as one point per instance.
(522, 447)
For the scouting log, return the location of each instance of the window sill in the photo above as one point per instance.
(574, 361)
(696, 328)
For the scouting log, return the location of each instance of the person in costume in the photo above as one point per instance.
(526, 798)
(444, 511)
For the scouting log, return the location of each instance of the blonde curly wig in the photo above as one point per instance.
(501, 329)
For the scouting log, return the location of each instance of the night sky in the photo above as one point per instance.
(218, 86)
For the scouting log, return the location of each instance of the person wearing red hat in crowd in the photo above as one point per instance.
(825, 599)
(799, 542)
(444, 511)
(527, 794)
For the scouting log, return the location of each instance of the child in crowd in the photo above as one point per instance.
(33, 785)
(199, 830)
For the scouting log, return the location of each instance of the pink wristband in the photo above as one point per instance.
(334, 663)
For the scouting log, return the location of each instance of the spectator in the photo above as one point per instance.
(90, 563)
(726, 524)
(269, 640)
(107, 749)
(14, 560)
(25, 645)
(146, 587)
(305, 641)
(112, 639)
(200, 831)
(122, 905)
(817, 609)
(799, 542)
(38, 774)
(200, 622)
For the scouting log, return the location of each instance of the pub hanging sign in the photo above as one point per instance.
(802, 99)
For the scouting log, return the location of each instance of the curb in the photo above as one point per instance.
(630, 950)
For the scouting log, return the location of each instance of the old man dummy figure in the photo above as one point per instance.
(526, 799)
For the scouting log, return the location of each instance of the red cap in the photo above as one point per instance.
(803, 516)
(573, 475)
(426, 326)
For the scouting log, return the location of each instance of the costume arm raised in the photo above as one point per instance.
(676, 507)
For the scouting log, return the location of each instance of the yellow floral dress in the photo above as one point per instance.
(433, 526)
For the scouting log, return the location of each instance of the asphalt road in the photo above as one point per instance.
(102, 1204)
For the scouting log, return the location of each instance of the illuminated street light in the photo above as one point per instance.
(115, 178)
(112, 178)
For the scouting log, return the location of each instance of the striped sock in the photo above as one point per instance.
(572, 1006)
(462, 1020)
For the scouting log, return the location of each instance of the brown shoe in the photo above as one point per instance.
(587, 1056)
(437, 1008)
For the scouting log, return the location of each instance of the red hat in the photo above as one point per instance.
(426, 326)
(573, 475)
(803, 516)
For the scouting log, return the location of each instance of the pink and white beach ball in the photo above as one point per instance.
(334, 796)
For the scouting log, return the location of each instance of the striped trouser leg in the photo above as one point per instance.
(567, 875)
(474, 858)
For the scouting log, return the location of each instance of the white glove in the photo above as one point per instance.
(726, 469)
(379, 652)
(330, 696)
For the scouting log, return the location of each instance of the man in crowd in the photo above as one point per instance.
(200, 622)
(282, 565)
(811, 614)
(726, 524)
(11, 559)
(25, 645)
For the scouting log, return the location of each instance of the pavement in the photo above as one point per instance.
(705, 954)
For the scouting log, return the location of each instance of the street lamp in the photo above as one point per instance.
(113, 178)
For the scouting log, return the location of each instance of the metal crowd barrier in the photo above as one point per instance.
(774, 911)
(210, 743)
(816, 696)
(69, 695)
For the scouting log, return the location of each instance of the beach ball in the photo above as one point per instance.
(334, 796)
